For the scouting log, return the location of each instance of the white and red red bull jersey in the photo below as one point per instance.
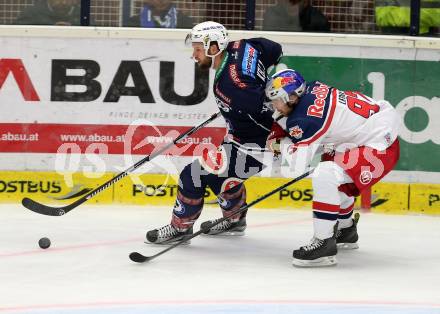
(341, 119)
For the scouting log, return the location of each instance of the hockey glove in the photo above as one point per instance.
(276, 134)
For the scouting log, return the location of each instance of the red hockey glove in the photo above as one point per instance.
(276, 134)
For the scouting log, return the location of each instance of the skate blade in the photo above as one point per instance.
(319, 262)
(167, 243)
(226, 234)
(347, 246)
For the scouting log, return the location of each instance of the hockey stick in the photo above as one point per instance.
(140, 258)
(59, 211)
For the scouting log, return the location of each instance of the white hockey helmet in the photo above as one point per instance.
(208, 33)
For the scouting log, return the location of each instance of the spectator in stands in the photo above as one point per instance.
(160, 14)
(295, 16)
(394, 16)
(358, 18)
(51, 12)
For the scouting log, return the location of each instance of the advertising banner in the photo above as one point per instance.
(51, 187)
(101, 139)
(160, 190)
(73, 96)
(117, 96)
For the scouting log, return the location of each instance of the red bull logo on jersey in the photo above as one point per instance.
(317, 109)
(296, 132)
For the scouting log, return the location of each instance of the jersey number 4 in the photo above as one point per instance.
(361, 104)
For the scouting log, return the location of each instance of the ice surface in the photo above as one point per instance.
(87, 270)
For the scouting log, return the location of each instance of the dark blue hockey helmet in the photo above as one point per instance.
(285, 83)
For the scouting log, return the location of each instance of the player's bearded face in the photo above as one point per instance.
(205, 63)
(199, 56)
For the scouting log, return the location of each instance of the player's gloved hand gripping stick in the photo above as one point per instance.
(59, 211)
(140, 258)
(277, 133)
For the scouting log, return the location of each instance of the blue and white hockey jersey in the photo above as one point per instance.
(239, 88)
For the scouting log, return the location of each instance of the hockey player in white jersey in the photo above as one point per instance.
(357, 137)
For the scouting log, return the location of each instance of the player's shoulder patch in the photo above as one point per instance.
(301, 128)
(296, 128)
(250, 59)
(296, 132)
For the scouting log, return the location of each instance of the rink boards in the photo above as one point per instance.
(160, 189)
(72, 110)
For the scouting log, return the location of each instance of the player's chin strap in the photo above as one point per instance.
(213, 57)
(139, 258)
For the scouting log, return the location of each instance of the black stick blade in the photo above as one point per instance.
(41, 208)
(138, 257)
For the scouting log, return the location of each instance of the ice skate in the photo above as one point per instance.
(317, 253)
(167, 234)
(227, 227)
(347, 238)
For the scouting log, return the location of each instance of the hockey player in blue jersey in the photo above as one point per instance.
(239, 89)
(358, 138)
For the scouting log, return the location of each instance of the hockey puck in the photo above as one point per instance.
(44, 243)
